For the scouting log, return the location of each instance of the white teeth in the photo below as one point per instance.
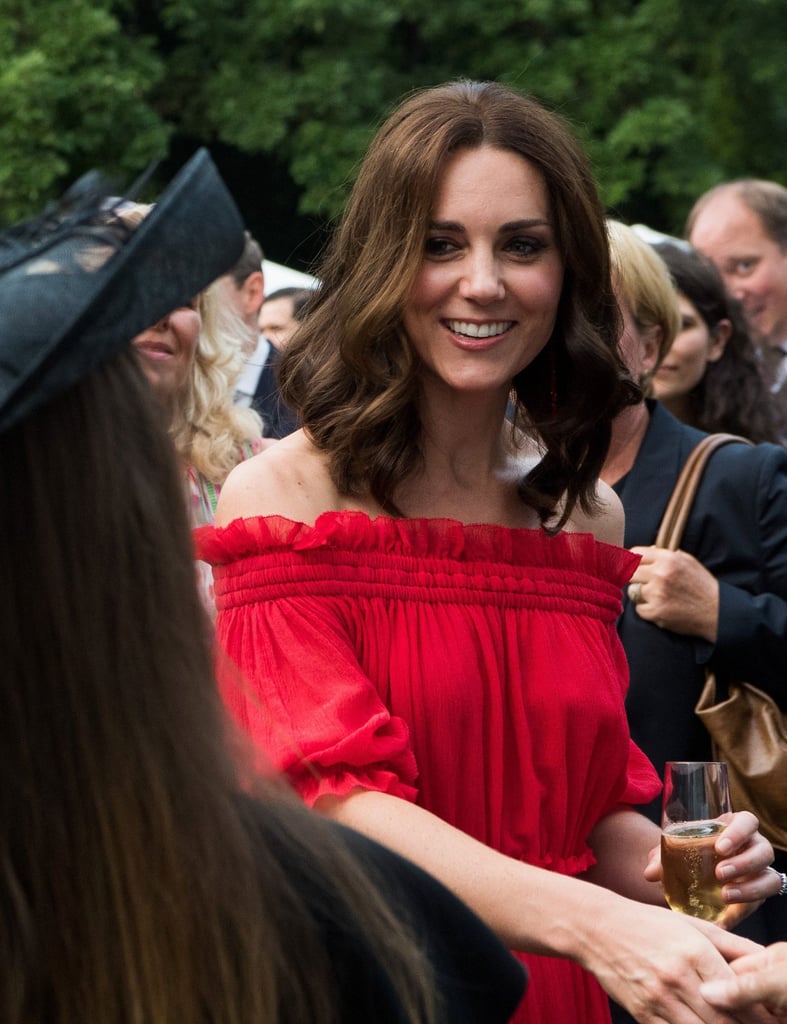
(479, 330)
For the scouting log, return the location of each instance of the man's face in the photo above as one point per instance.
(244, 302)
(277, 321)
(752, 264)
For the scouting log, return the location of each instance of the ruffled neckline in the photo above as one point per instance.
(417, 538)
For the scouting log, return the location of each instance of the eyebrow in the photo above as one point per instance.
(514, 225)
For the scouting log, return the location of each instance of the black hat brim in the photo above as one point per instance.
(56, 327)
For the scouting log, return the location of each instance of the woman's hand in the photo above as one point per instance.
(675, 591)
(745, 870)
(758, 978)
(649, 959)
(653, 961)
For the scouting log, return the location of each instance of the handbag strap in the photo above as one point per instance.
(682, 498)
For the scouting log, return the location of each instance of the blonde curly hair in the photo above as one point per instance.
(209, 431)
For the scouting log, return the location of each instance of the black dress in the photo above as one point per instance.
(478, 981)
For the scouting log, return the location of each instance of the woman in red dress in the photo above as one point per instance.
(420, 593)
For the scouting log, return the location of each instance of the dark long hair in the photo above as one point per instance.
(732, 396)
(350, 370)
(131, 886)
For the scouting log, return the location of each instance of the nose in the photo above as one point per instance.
(163, 323)
(735, 286)
(481, 281)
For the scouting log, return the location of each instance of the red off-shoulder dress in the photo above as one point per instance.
(475, 670)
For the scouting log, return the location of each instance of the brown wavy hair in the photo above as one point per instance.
(350, 370)
(134, 883)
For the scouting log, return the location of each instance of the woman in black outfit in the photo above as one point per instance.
(720, 602)
(143, 875)
(711, 377)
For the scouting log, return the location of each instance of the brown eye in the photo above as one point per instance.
(525, 247)
(440, 247)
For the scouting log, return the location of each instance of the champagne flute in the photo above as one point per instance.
(696, 809)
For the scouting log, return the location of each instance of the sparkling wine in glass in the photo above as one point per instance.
(696, 809)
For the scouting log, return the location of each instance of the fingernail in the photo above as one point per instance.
(724, 845)
(731, 895)
(713, 989)
(728, 871)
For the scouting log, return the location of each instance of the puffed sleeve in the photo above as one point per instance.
(292, 681)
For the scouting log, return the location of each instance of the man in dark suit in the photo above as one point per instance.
(278, 420)
(257, 385)
(244, 291)
(279, 316)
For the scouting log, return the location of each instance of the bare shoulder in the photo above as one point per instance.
(289, 478)
(608, 523)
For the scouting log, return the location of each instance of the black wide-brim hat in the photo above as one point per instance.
(79, 283)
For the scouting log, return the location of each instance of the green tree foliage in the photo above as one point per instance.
(74, 94)
(669, 96)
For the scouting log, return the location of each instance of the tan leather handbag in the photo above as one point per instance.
(747, 727)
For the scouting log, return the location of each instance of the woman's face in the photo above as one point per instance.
(166, 350)
(694, 347)
(485, 299)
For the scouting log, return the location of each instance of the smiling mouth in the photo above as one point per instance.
(487, 330)
(154, 349)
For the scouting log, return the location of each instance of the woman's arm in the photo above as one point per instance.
(647, 958)
(622, 843)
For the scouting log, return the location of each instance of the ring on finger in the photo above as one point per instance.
(783, 887)
(635, 592)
